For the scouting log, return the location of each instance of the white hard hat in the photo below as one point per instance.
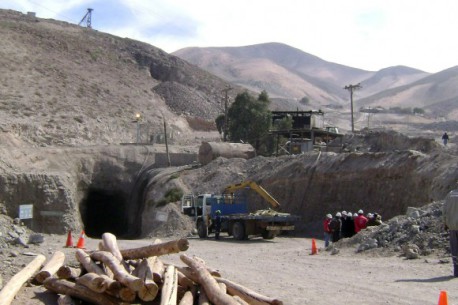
(344, 213)
(370, 215)
(338, 214)
(328, 216)
(355, 215)
(360, 212)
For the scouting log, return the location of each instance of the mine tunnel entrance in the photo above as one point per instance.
(105, 211)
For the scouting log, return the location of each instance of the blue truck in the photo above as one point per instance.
(236, 220)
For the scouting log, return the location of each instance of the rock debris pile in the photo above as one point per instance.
(418, 233)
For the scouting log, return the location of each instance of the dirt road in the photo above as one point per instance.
(283, 268)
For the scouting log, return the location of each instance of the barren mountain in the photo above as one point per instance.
(437, 94)
(289, 74)
(68, 85)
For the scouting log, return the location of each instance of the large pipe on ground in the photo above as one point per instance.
(209, 151)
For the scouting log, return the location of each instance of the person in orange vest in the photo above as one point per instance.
(360, 221)
(327, 230)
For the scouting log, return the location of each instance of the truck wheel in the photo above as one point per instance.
(268, 234)
(202, 230)
(238, 231)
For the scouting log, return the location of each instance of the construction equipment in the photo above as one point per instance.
(236, 220)
(254, 186)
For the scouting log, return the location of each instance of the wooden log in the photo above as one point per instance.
(208, 282)
(187, 270)
(50, 268)
(15, 283)
(250, 296)
(240, 300)
(150, 289)
(119, 272)
(67, 272)
(65, 300)
(113, 287)
(203, 298)
(174, 246)
(110, 244)
(170, 288)
(223, 287)
(184, 281)
(79, 291)
(157, 269)
(187, 299)
(93, 281)
(212, 271)
(127, 295)
(88, 263)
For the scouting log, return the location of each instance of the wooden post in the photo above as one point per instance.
(8, 292)
(66, 272)
(170, 288)
(79, 291)
(208, 282)
(119, 272)
(94, 282)
(187, 299)
(173, 246)
(248, 295)
(87, 262)
(55, 262)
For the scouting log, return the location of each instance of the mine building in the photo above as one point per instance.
(307, 133)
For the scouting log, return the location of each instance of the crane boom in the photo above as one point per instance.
(254, 186)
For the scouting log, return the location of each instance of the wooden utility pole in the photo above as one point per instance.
(352, 88)
(226, 103)
(166, 143)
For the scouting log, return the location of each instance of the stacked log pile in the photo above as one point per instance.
(110, 276)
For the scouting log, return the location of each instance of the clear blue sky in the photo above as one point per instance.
(365, 34)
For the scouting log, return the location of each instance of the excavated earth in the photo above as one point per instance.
(404, 179)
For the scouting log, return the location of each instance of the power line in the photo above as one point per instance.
(50, 10)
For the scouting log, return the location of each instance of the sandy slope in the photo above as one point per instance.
(283, 268)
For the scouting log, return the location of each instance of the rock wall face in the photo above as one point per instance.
(52, 197)
(97, 189)
(314, 184)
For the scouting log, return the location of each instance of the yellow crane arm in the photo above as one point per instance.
(254, 186)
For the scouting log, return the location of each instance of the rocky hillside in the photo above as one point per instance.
(68, 85)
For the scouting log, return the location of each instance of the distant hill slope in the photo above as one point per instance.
(68, 85)
(287, 72)
(436, 93)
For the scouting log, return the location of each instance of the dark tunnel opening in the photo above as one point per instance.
(105, 211)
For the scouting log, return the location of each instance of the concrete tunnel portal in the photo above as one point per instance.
(103, 211)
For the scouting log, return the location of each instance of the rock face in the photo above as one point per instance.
(90, 188)
(316, 183)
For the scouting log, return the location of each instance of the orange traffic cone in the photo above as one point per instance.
(69, 243)
(314, 249)
(443, 299)
(80, 244)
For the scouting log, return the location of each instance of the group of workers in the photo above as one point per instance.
(345, 224)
